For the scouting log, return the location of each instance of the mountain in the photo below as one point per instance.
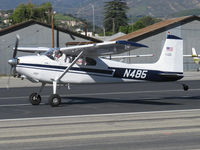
(188, 12)
(83, 8)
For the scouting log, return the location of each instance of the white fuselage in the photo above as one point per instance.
(43, 69)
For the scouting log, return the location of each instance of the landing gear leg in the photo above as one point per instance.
(54, 99)
(35, 98)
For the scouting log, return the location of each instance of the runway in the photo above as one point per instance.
(108, 116)
(174, 130)
(101, 99)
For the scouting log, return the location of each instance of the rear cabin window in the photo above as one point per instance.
(90, 61)
(86, 61)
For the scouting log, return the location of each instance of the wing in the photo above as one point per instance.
(187, 55)
(100, 49)
(33, 49)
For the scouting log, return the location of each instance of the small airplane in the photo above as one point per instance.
(84, 64)
(195, 57)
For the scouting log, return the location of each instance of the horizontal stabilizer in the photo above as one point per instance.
(171, 76)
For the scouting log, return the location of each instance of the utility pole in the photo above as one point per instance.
(93, 18)
(85, 29)
(104, 31)
(52, 27)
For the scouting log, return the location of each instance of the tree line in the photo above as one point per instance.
(115, 16)
(29, 11)
(116, 20)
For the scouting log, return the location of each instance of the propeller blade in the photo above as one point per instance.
(16, 46)
(13, 61)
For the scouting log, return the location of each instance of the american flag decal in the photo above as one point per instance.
(169, 49)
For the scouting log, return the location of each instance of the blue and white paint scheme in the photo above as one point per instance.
(83, 64)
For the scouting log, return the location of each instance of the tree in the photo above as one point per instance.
(29, 11)
(148, 20)
(141, 23)
(19, 14)
(115, 15)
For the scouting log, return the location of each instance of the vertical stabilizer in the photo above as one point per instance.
(171, 59)
(194, 53)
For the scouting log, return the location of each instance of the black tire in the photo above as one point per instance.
(185, 87)
(35, 99)
(54, 100)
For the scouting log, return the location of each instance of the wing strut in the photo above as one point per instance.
(66, 70)
(69, 67)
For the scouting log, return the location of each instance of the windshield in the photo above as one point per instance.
(53, 53)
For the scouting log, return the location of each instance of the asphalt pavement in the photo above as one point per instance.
(165, 130)
(127, 116)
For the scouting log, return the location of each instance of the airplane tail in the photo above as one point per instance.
(171, 59)
(194, 53)
(195, 56)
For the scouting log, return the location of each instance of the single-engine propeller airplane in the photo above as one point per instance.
(83, 64)
(195, 57)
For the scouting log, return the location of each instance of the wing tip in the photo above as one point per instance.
(131, 43)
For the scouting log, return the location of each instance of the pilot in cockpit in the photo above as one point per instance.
(58, 54)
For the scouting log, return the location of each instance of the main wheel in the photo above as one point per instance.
(54, 100)
(35, 99)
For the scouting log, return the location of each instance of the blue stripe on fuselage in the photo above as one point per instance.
(90, 70)
(143, 74)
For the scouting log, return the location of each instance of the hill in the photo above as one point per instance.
(83, 9)
(186, 13)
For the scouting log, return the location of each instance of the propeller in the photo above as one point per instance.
(13, 61)
(16, 46)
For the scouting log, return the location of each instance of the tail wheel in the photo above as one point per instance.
(35, 99)
(185, 87)
(54, 100)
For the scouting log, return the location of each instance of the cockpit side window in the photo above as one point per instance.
(58, 54)
(49, 54)
(53, 54)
